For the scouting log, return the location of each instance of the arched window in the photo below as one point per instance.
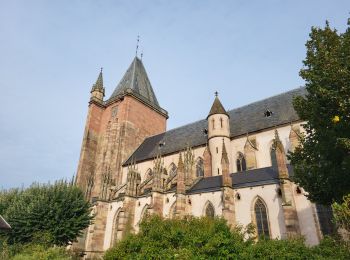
(262, 223)
(119, 224)
(144, 212)
(240, 163)
(148, 174)
(172, 211)
(199, 167)
(209, 210)
(273, 157)
(172, 169)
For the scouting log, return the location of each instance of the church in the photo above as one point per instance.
(231, 164)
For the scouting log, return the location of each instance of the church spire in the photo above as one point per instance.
(98, 91)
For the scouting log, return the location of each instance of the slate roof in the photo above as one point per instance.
(217, 108)
(256, 177)
(136, 80)
(250, 178)
(3, 224)
(243, 120)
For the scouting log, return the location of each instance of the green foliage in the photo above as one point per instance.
(342, 213)
(322, 162)
(52, 214)
(204, 238)
(32, 251)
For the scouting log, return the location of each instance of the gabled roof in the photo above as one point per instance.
(135, 80)
(243, 120)
(3, 224)
(217, 108)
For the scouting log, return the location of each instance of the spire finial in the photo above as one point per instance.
(137, 43)
(216, 93)
(101, 69)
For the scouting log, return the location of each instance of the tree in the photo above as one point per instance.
(56, 213)
(206, 238)
(322, 161)
(342, 213)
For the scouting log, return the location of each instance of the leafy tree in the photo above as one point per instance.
(322, 162)
(342, 213)
(204, 238)
(55, 213)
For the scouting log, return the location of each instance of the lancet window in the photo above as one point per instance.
(261, 218)
(241, 163)
(209, 210)
(199, 167)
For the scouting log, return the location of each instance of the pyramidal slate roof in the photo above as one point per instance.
(217, 108)
(136, 80)
(247, 119)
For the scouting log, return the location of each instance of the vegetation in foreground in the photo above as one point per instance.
(44, 220)
(58, 211)
(204, 238)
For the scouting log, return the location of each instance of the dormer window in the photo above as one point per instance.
(268, 113)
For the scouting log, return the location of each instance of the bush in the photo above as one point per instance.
(203, 238)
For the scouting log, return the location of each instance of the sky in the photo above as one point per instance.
(51, 53)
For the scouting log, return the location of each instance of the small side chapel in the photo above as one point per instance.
(232, 164)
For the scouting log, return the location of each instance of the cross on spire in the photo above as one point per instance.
(216, 93)
(137, 43)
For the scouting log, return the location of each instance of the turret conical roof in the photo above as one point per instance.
(217, 108)
(135, 80)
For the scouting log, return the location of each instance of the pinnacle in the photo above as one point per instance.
(224, 152)
(99, 82)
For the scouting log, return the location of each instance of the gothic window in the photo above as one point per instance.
(261, 219)
(114, 111)
(119, 224)
(144, 212)
(199, 167)
(172, 211)
(240, 163)
(209, 210)
(148, 174)
(172, 169)
(325, 215)
(273, 157)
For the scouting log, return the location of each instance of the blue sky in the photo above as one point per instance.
(51, 53)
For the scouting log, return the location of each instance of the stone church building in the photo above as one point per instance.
(231, 164)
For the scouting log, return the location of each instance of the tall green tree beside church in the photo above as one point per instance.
(322, 162)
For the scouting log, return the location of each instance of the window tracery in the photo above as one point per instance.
(241, 162)
(199, 167)
(261, 219)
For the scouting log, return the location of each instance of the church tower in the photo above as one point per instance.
(115, 128)
(218, 132)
